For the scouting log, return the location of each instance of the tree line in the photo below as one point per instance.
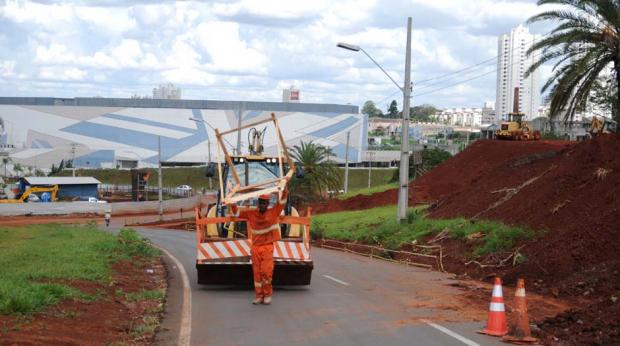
(421, 113)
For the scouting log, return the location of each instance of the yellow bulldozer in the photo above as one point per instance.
(516, 128)
(600, 126)
(53, 190)
(222, 240)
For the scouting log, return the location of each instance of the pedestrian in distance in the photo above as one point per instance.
(263, 230)
(107, 217)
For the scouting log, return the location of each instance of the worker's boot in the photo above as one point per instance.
(257, 301)
(267, 300)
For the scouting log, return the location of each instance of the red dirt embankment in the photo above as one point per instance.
(454, 174)
(568, 193)
(573, 199)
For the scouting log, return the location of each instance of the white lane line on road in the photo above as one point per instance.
(185, 330)
(338, 281)
(447, 331)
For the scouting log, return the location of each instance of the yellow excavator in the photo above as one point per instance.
(53, 190)
(516, 128)
(600, 126)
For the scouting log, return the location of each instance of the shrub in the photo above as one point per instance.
(132, 244)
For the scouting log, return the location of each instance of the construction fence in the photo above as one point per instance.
(152, 191)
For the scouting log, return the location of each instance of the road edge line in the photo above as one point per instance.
(185, 330)
(455, 335)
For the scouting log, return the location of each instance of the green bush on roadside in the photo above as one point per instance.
(132, 244)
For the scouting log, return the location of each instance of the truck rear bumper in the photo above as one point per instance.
(240, 273)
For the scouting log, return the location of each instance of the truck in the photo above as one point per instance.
(223, 242)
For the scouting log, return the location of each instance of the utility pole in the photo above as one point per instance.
(209, 150)
(161, 198)
(403, 192)
(73, 145)
(346, 165)
(369, 166)
(241, 110)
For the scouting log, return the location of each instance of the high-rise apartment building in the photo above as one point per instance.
(167, 91)
(512, 64)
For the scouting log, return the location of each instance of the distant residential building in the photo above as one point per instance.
(512, 64)
(167, 91)
(461, 116)
(290, 95)
(590, 110)
(488, 114)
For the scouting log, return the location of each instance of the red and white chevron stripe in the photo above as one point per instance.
(291, 251)
(224, 249)
(282, 250)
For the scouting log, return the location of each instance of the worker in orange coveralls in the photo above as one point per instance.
(264, 228)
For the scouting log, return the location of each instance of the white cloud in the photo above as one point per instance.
(272, 8)
(31, 12)
(249, 49)
(110, 20)
(228, 52)
(54, 53)
(7, 68)
(127, 53)
(62, 73)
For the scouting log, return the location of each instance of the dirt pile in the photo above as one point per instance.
(568, 193)
(454, 174)
(572, 198)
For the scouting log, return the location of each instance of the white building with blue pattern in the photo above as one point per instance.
(106, 133)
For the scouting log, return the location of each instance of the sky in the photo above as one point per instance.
(252, 49)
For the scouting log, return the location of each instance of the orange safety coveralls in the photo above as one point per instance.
(264, 230)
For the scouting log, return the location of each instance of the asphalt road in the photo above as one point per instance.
(352, 300)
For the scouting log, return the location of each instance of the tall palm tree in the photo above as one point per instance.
(583, 45)
(321, 173)
(5, 162)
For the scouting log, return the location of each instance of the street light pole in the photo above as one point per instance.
(369, 166)
(403, 191)
(346, 165)
(159, 180)
(209, 149)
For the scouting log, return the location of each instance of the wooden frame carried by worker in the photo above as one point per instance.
(236, 192)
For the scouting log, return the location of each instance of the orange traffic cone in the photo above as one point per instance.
(520, 332)
(496, 324)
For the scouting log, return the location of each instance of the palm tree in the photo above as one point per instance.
(5, 162)
(320, 173)
(584, 44)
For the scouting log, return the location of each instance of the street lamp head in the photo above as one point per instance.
(349, 46)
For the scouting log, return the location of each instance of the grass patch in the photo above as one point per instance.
(367, 191)
(131, 244)
(33, 259)
(148, 326)
(145, 295)
(379, 226)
